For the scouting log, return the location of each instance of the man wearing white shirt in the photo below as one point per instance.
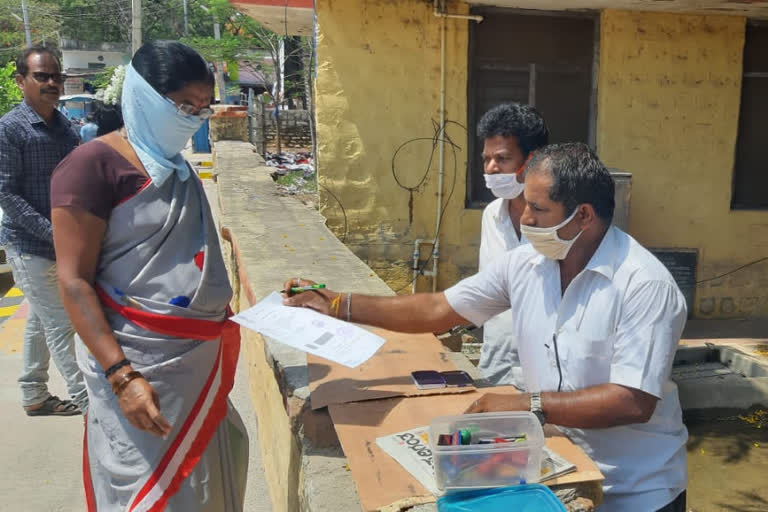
(597, 317)
(511, 133)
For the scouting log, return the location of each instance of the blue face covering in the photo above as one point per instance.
(155, 128)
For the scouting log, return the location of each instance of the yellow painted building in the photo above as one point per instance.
(664, 105)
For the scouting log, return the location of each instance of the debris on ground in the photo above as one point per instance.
(294, 172)
(294, 175)
(757, 418)
(284, 163)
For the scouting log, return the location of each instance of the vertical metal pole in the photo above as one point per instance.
(186, 21)
(135, 25)
(263, 130)
(532, 84)
(27, 32)
(219, 64)
(251, 113)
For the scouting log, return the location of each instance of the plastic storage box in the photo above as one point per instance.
(496, 464)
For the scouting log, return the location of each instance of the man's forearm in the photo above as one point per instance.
(603, 406)
(422, 312)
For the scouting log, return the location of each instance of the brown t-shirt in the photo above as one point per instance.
(96, 178)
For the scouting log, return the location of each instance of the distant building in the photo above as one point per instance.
(82, 61)
(82, 57)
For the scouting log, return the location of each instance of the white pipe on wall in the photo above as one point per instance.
(441, 156)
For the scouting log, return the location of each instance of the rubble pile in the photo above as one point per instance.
(300, 165)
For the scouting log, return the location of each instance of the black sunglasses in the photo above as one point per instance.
(45, 77)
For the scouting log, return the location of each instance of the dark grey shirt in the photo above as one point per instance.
(29, 152)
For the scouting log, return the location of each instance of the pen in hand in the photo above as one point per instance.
(299, 289)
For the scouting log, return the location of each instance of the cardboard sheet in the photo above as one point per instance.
(386, 374)
(380, 479)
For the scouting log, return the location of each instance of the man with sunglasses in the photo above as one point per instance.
(34, 138)
(511, 134)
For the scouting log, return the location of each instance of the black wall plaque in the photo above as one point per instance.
(681, 263)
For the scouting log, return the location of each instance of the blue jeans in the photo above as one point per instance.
(48, 331)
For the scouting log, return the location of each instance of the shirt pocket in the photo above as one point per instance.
(585, 361)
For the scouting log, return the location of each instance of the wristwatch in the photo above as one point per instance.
(536, 408)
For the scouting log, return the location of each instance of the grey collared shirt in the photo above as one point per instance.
(30, 150)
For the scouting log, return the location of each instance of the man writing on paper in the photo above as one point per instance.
(511, 133)
(597, 318)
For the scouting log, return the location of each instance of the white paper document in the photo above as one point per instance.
(310, 331)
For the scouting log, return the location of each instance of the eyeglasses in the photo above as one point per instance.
(189, 110)
(43, 78)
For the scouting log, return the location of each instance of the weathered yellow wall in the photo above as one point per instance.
(668, 103)
(669, 92)
(378, 85)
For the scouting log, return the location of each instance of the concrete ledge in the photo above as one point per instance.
(274, 238)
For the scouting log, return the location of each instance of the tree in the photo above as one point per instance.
(43, 27)
(10, 94)
(283, 51)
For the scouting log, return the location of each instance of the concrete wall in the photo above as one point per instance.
(80, 58)
(229, 122)
(294, 128)
(668, 108)
(273, 238)
(378, 85)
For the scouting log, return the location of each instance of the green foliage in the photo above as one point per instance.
(102, 80)
(233, 70)
(10, 94)
(227, 48)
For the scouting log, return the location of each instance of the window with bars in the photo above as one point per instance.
(750, 174)
(543, 60)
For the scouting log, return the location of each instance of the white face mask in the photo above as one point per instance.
(504, 186)
(546, 240)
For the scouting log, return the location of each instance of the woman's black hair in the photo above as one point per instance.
(107, 117)
(169, 66)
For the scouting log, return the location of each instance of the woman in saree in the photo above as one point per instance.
(142, 278)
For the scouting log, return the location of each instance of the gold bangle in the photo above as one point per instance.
(119, 385)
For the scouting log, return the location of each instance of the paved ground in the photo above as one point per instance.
(41, 468)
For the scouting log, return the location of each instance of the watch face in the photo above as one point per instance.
(540, 416)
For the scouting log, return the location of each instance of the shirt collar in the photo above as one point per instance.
(603, 261)
(31, 114)
(502, 210)
(59, 121)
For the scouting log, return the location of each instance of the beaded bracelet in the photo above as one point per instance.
(112, 369)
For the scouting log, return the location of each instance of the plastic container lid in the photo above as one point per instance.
(520, 498)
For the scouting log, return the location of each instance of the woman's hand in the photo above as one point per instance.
(140, 405)
(319, 300)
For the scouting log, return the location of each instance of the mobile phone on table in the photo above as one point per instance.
(457, 378)
(428, 379)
